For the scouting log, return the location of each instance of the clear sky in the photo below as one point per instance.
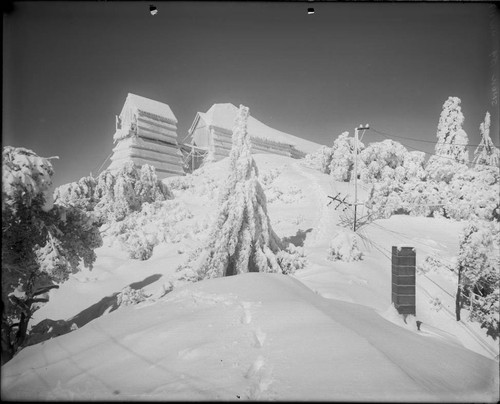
(68, 67)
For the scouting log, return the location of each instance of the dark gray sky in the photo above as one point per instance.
(68, 67)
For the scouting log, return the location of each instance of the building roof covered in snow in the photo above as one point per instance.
(223, 116)
(138, 103)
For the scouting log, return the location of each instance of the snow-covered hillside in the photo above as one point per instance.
(326, 332)
(252, 336)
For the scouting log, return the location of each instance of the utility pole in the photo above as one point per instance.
(356, 170)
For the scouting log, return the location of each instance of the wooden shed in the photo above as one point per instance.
(146, 133)
(212, 131)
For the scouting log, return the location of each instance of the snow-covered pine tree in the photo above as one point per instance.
(342, 157)
(478, 274)
(452, 139)
(451, 147)
(42, 243)
(80, 194)
(486, 153)
(242, 239)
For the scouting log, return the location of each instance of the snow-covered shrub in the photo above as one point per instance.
(273, 194)
(158, 222)
(42, 242)
(478, 266)
(291, 259)
(384, 199)
(242, 239)
(473, 193)
(179, 182)
(380, 160)
(319, 160)
(421, 198)
(291, 195)
(342, 157)
(149, 188)
(139, 246)
(443, 169)
(268, 177)
(114, 194)
(297, 220)
(436, 304)
(80, 194)
(344, 247)
(414, 166)
(486, 153)
(209, 188)
(129, 296)
(187, 270)
(431, 263)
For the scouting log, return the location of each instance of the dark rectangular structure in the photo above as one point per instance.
(403, 279)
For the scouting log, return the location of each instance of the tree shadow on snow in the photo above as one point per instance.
(298, 239)
(47, 329)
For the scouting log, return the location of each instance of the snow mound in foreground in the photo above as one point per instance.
(250, 336)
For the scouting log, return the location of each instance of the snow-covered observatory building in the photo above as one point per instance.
(146, 133)
(212, 131)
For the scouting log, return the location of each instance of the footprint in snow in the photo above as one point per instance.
(247, 315)
(255, 368)
(260, 338)
(261, 379)
(189, 353)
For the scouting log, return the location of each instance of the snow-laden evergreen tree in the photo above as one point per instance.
(473, 193)
(342, 157)
(478, 268)
(381, 160)
(486, 153)
(451, 147)
(319, 160)
(42, 243)
(422, 198)
(452, 139)
(80, 194)
(242, 239)
(414, 165)
(114, 195)
(382, 166)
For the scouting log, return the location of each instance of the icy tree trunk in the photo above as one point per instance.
(6, 343)
(458, 300)
(242, 239)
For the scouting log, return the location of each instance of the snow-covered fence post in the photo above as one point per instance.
(403, 279)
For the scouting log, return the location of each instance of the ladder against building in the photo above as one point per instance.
(146, 133)
(193, 156)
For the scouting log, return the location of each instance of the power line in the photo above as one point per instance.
(428, 141)
(399, 236)
(431, 154)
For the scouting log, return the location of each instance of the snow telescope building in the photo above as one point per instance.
(212, 131)
(146, 133)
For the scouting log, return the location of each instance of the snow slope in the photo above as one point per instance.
(327, 332)
(253, 336)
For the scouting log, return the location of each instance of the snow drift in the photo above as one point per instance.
(250, 336)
